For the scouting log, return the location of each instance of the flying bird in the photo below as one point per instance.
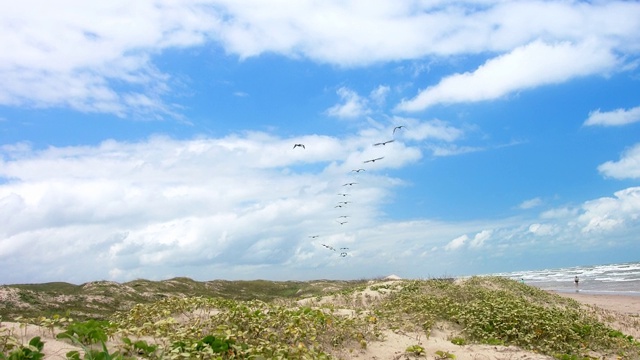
(343, 254)
(357, 170)
(300, 145)
(342, 222)
(343, 194)
(338, 206)
(383, 143)
(398, 128)
(329, 247)
(349, 184)
(314, 236)
(344, 202)
(343, 216)
(374, 160)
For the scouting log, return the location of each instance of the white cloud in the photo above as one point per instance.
(615, 117)
(77, 58)
(611, 213)
(353, 105)
(102, 57)
(239, 205)
(628, 167)
(531, 203)
(456, 243)
(379, 94)
(542, 229)
(480, 238)
(534, 64)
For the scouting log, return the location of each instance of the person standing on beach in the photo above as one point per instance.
(576, 280)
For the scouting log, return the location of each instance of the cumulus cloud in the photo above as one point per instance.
(232, 206)
(535, 64)
(617, 117)
(103, 57)
(97, 58)
(628, 167)
(610, 213)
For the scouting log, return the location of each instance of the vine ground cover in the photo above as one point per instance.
(479, 310)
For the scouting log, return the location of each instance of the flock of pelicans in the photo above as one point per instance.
(343, 204)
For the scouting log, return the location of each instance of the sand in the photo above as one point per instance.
(623, 304)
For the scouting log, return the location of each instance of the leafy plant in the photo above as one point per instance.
(443, 355)
(31, 352)
(87, 332)
(415, 350)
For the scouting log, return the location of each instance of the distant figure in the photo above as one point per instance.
(522, 280)
(576, 280)
(299, 145)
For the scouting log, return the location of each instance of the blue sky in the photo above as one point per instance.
(155, 139)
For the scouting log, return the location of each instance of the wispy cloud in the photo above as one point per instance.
(617, 117)
(531, 203)
(534, 64)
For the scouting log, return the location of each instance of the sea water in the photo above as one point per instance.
(620, 279)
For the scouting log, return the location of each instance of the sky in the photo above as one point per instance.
(156, 138)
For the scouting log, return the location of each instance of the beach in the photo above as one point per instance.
(624, 304)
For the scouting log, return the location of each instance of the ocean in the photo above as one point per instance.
(620, 279)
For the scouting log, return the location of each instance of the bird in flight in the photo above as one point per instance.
(383, 143)
(342, 222)
(349, 184)
(374, 160)
(314, 236)
(343, 194)
(357, 170)
(299, 145)
(398, 128)
(343, 254)
(338, 206)
(329, 247)
(344, 202)
(343, 216)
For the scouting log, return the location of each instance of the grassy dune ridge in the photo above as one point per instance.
(182, 318)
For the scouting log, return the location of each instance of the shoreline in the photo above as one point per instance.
(621, 303)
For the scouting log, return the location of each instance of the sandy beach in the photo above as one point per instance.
(629, 305)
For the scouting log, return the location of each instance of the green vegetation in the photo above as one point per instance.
(334, 318)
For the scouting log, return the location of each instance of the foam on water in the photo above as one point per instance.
(607, 279)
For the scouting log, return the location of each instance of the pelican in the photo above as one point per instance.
(343, 254)
(374, 160)
(383, 143)
(300, 145)
(338, 206)
(349, 184)
(314, 236)
(342, 222)
(357, 170)
(344, 202)
(343, 194)
(398, 128)
(343, 216)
